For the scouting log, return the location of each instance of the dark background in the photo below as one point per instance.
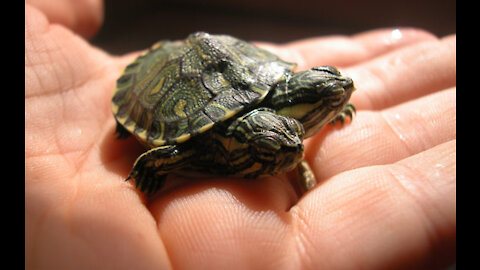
(135, 25)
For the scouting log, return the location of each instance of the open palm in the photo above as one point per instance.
(387, 180)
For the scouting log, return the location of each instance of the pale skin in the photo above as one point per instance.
(386, 196)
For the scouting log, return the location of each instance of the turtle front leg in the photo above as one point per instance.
(348, 111)
(151, 168)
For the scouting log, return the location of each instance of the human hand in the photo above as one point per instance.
(387, 180)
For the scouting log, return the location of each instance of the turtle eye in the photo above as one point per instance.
(222, 66)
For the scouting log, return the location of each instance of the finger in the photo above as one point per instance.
(408, 207)
(68, 88)
(405, 74)
(83, 17)
(344, 51)
(386, 136)
(55, 59)
(74, 223)
(226, 216)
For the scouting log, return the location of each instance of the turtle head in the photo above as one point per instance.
(314, 97)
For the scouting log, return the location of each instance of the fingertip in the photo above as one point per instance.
(82, 17)
(343, 51)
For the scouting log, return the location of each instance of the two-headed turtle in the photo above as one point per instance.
(219, 105)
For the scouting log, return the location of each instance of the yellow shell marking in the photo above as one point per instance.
(158, 86)
(205, 128)
(179, 108)
(183, 138)
(114, 108)
(228, 113)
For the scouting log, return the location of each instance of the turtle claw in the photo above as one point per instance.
(146, 179)
(348, 111)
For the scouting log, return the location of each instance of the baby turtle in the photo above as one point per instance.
(219, 105)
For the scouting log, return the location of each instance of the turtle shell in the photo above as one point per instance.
(176, 90)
